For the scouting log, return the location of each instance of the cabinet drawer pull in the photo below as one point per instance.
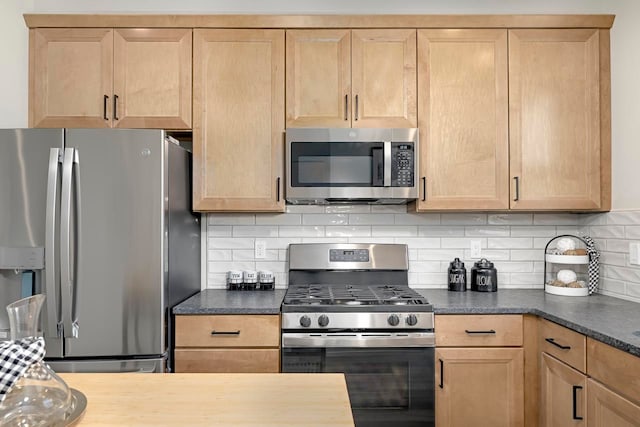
(277, 189)
(490, 331)
(517, 196)
(552, 341)
(115, 107)
(225, 332)
(346, 107)
(424, 188)
(104, 107)
(575, 402)
(356, 117)
(441, 385)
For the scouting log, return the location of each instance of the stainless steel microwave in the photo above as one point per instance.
(374, 166)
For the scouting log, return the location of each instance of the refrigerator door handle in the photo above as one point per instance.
(66, 278)
(52, 288)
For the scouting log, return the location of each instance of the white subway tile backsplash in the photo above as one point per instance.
(371, 219)
(394, 230)
(230, 242)
(278, 219)
(510, 219)
(488, 231)
(379, 240)
(255, 231)
(623, 218)
(463, 218)
(219, 230)
(395, 209)
(513, 241)
(556, 219)
(231, 219)
(346, 209)
(607, 231)
(440, 231)
(510, 242)
(461, 242)
(417, 219)
(302, 231)
(347, 231)
(305, 209)
(632, 232)
(418, 242)
(533, 231)
(325, 219)
(219, 255)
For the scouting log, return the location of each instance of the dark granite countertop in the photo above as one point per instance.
(611, 320)
(221, 301)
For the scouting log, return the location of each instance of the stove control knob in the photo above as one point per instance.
(323, 320)
(305, 321)
(393, 320)
(412, 320)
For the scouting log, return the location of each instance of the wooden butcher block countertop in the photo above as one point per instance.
(132, 399)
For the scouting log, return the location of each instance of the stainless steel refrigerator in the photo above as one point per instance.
(100, 222)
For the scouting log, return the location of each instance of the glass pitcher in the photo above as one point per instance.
(39, 397)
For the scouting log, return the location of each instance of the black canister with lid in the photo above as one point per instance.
(457, 276)
(484, 277)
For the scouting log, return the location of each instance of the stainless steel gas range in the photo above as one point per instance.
(349, 309)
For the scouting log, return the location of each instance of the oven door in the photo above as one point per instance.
(390, 381)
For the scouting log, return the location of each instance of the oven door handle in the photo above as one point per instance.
(359, 340)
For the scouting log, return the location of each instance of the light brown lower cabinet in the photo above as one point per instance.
(227, 343)
(479, 387)
(564, 392)
(608, 409)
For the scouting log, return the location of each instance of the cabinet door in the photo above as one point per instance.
(70, 77)
(383, 78)
(564, 394)
(152, 78)
(554, 118)
(479, 386)
(608, 409)
(462, 104)
(238, 121)
(318, 78)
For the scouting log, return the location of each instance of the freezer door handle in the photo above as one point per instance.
(67, 270)
(52, 286)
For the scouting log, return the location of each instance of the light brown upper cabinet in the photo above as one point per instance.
(238, 120)
(351, 78)
(463, 119)
(102, 77)
(559, 119)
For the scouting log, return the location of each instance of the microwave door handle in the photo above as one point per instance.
(387, 163)
(377, 178)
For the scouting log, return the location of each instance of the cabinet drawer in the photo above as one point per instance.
(617, 369)
(228, 331)
(563, 344)
(485, 330)
(227, 360)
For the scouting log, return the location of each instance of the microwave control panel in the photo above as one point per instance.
(402, 164)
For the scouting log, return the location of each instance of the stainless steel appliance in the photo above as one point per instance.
(374, 166)
(100, 222)
(349, 309)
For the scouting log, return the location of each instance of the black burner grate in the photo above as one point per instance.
(320, 294)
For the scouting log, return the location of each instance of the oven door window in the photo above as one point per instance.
(386, 386)
(337, 164)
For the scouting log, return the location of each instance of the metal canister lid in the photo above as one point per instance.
(456, 263)
(483, 263)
